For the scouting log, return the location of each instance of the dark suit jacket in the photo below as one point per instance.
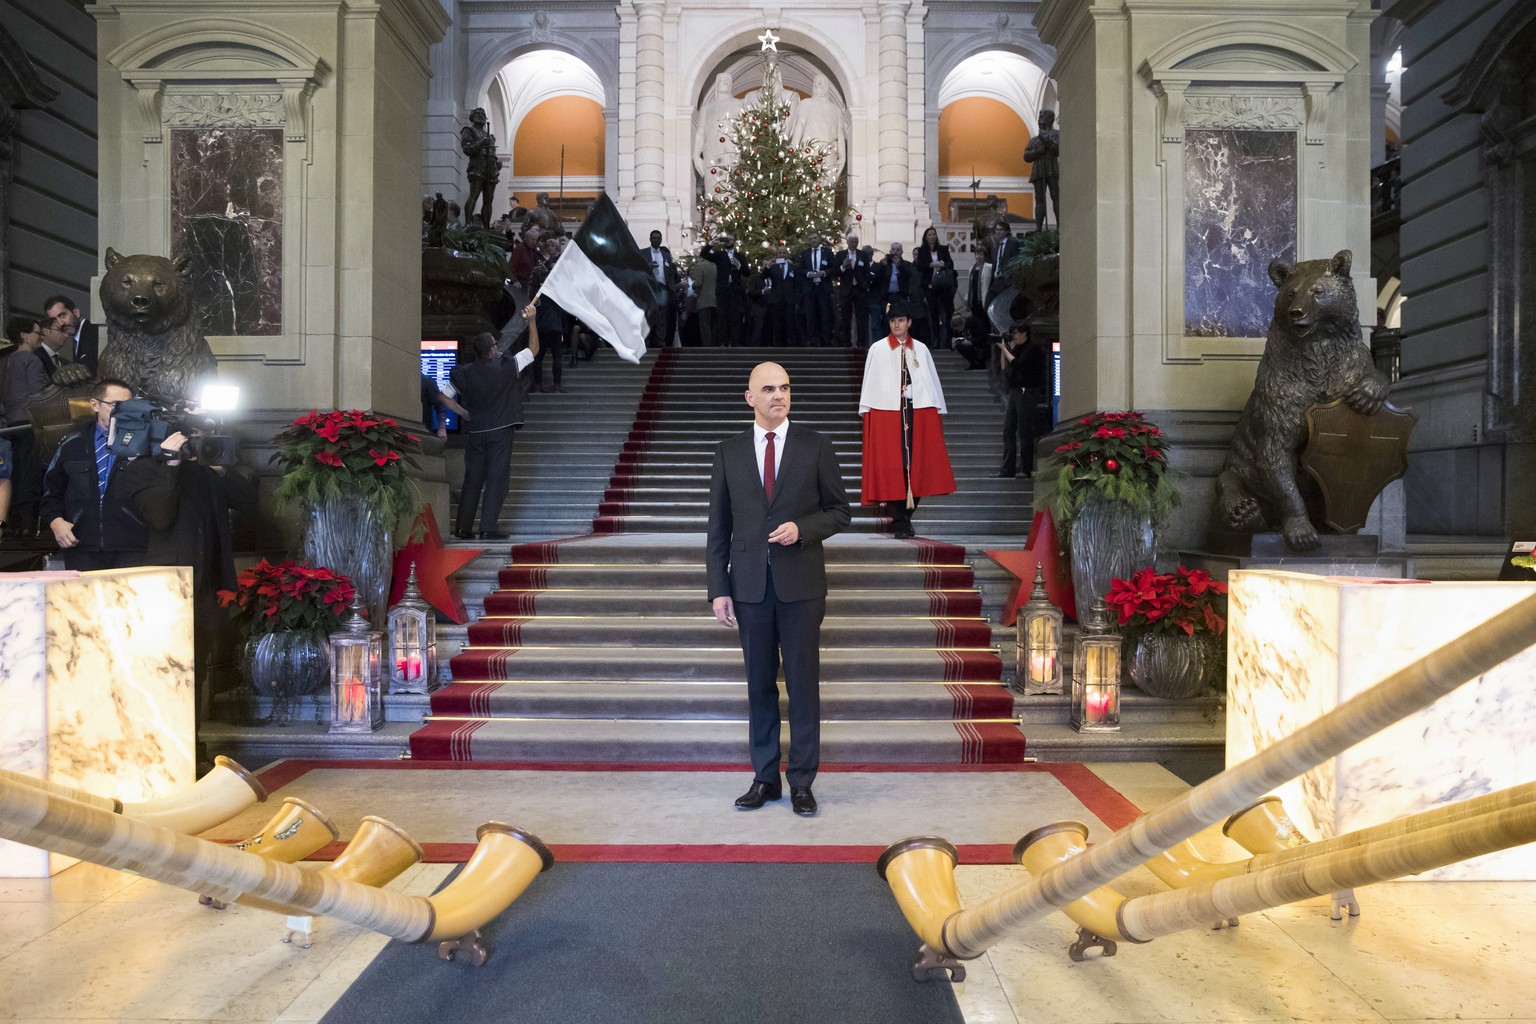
(880, 281)
(808, 491)
(1000, 280)
(785, 284)
(851, 274)
(111, 522)
(804, 263)
(87, 344)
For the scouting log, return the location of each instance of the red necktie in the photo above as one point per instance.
(768, 461)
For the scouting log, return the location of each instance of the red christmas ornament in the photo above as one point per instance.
(1111, 466)
(714, 170)
(722, 138)
(717, 188)
(858, 216)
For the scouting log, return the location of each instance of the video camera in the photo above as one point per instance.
(140, 426)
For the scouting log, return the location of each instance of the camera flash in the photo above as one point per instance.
(220, 398)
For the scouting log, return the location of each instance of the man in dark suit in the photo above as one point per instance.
(664, 323)
(85, 502)
(780, 290)
(892, 281)
(731, 272)
(774, 495)
(1004, 248)
(816, 291)
(489, 389)
(62, 310)
(850, 271)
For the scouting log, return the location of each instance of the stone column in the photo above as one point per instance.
(650, 85)
(893, 98)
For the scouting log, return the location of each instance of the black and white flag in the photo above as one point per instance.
(603, 280)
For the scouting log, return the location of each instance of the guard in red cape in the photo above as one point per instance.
(901, 402)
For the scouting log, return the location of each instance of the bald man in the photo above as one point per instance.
(776, 492)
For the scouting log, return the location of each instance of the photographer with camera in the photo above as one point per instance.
(184, 493)
(85, 503)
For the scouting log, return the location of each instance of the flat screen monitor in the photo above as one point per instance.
(438, 358)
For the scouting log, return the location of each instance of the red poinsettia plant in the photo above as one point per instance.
(272, 598)
(1186, 601)
(1119, 456)
(347, 453)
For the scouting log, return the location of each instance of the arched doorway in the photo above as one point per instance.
(988, 109)
(548, 108)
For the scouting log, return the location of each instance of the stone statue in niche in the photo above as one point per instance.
(1044, 168)
(484, 169)
(153, 341)
(1312, 356)
(712, 146)
(820, 118)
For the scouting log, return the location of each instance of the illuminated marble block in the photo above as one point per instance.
(96, 687)
(1300, 645)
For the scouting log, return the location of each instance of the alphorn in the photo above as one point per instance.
(212, 800)
(297, 830)
(504, 863)
(967, 934)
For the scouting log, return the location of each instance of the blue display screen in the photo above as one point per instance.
(438, 358)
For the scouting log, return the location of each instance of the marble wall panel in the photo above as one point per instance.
(1301, 645)
(1239, 213)
(227, 216)
(96, 687)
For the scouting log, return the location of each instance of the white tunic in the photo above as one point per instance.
(882, 378)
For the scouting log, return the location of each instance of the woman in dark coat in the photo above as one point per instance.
(937, 270)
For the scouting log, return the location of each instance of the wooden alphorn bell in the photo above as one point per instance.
(293, 833)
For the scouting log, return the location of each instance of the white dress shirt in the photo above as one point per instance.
(760, 445)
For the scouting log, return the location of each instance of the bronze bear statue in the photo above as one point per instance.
(154, 344)
(1312, 355)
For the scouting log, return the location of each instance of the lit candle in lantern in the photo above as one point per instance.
(412, 667)
(1099, 706)
(1042, 667)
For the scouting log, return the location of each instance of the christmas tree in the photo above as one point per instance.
(777, 193)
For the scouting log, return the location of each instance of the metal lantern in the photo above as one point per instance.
(357, 674)
(1038, 650)
(1096, 674)
(412, 642)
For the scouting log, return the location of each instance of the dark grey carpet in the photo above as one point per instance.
(643, 943)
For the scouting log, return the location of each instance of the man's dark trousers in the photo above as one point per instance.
(766, 627)
(487, 467)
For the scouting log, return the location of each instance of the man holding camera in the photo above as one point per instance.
(85, 501)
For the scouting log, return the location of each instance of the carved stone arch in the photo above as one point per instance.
(1480, 84)
(485, 66)
(943, 60)
(1283, 46)
(176, 47)
(854, 92)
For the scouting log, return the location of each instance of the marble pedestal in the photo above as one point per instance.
(1300, 645)
(96, 687)
(1335, 555)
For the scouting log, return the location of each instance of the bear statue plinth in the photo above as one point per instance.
(1313, 355)
(154, 344)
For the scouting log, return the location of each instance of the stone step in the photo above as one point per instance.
(639, 700)
(630, 741)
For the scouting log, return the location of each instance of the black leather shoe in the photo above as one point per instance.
(802, 802)
(759, 794)
(1004, 474)
(494, 535)
(903, 531)
(463, 535)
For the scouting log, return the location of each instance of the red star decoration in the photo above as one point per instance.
(1040, 549)
(434, 565)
